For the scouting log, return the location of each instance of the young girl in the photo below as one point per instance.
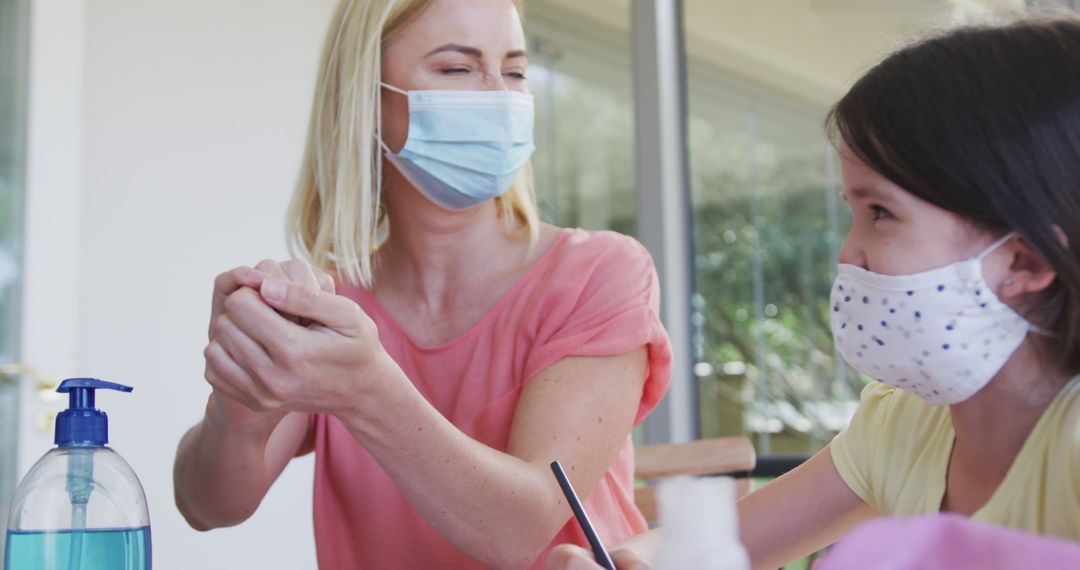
(958, 290)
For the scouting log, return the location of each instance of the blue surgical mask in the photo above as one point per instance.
(464, 147)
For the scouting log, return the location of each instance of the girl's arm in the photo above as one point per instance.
(800, 513)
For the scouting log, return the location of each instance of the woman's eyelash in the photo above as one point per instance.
(462, 70)
(880, 212)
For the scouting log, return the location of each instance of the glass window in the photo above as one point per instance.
(767, 218)
(14, 25)
(580, 76)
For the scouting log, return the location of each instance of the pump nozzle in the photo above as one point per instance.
(82, 423)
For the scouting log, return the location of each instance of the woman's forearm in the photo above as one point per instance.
(497, 508)
(220, 475)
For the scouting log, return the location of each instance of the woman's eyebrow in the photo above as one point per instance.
(467, 50)
(473, 52)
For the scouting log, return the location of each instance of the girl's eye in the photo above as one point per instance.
(880, 213)
(516, 75)
(455, 71)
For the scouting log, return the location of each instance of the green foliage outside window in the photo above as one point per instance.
(767, 223)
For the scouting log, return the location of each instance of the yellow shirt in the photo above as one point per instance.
(895, 456)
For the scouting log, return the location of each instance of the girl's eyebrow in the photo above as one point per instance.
(868, 192)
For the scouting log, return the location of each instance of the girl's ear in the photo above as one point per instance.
(1029, 271)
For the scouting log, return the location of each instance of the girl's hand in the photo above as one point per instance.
(573, 557)
(292, 346)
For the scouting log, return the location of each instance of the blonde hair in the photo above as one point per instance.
(337, 217)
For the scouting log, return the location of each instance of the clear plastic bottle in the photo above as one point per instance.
(700, 525)
(80, 507)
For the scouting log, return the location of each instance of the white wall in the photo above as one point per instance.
(53, 176)
(165, 138)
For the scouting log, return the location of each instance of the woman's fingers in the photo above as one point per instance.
(331, 311)
(262, 322)
(300, 272)
(571, 557)
(295, 271)
(271, 268)
(326, 281)
(626, 559)
(246, 352)
(227, 283)
(229, 378)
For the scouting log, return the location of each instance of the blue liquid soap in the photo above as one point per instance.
(97, 549)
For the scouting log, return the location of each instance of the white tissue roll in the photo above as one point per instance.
(699, 525)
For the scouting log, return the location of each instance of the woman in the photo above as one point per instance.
(468, 345)
(958, 289)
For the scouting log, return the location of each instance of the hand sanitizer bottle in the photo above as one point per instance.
(80, 507)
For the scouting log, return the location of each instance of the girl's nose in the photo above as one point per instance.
(851, 253)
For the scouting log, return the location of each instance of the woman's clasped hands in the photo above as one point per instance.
(282, 341)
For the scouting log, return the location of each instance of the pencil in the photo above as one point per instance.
(599, 552)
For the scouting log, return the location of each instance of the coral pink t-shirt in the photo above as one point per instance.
(590, 294)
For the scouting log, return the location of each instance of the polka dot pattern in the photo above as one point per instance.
(941, 334)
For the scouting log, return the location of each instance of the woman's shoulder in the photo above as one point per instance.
(604, 250)
(594, 272)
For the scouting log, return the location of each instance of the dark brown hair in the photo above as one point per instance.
(985, 122)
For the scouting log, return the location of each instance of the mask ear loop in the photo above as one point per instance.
(378, 139)
(993, 247)
(1041, 331)
(377, 134)
(394, 89)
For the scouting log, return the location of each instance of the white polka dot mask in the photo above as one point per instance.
(941, 334)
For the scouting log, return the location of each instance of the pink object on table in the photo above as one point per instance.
(590, 294)
(947, 541)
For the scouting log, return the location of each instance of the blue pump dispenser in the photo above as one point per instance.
(82, 423)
